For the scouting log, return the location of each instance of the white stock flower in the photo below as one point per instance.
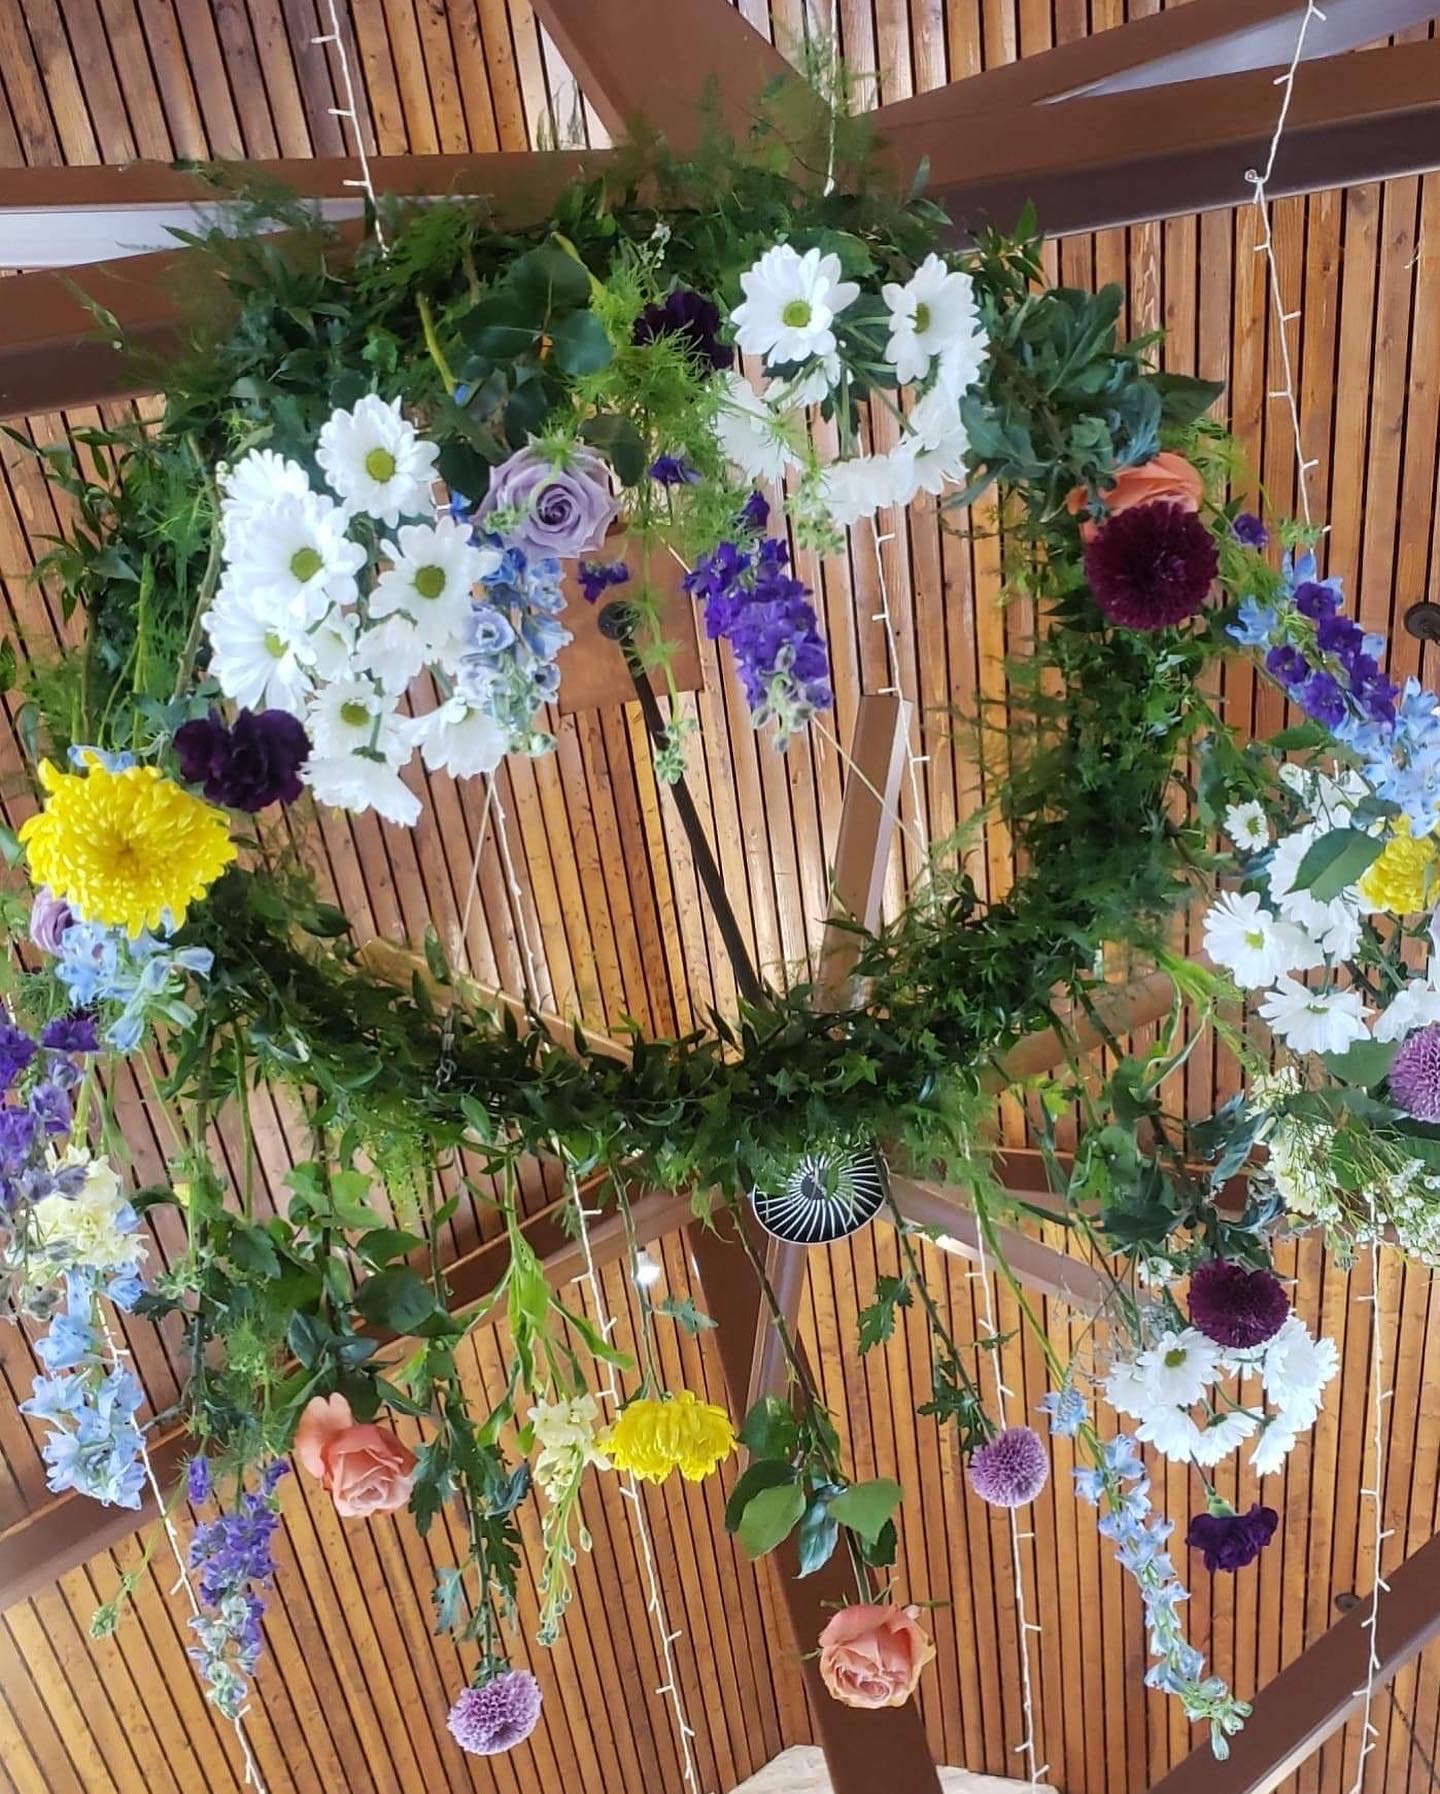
(1248, 826)
(376, 462)
(353, 714)
(1179, 1367)
(255, 482)
(1336, 924)
(255, 658)
(84, 1225)
(458, 739)
(759, 441)
(933, 314)
(1310, 1021)
(790, 303)
(433, 569)
(1252, 944)
(295, 554)
(356, 782)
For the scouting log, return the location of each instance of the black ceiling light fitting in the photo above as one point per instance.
(1422, 620)
(824, 1197)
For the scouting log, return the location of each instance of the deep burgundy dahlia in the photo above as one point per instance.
(1230, 1541)
(1415, 1074)
(1152, 566)
(1235, 1307)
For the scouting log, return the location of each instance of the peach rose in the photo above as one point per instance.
(873, 1656)
(1168, 476)
(365, 1468)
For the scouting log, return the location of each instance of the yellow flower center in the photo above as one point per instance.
(275, 644)
(796, 314)
(922, 318)
(305, 563)
(380, 465)
(430, 581)
(354, 714)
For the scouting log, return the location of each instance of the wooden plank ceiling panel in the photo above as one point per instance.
(354, 1690)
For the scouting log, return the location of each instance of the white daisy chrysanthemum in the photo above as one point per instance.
(356, 782)
(353, 714)
(296, 554)
(810, 388)
(326, 648)
(933, 313)
(1311, 1021)
(1178, 1368)
(1415, 1005)
(1274, 1445)
(254, 483)
(1253, 945)
(1248, 826)
(376, 462)
(458, 739)
(941, 463)
(791, 301)
(395, 650)
(760, 442)
(856, 488)
(1297, 1366)
(87, 1225)
(1335, 924)
(1125, 1390)
(1221, 1435)
(433, 569)
(256, 658)
(1171, 1431)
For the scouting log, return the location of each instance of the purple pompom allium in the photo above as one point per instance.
(497, 1716)
(1152, 566)
(1237, 1308)
(549, 509)
(248, 764)
(1012, 1469)
(1415, 1075)
(1230, 1541)
(50, 916)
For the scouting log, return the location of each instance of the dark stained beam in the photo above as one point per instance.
(1313, 1697)
(653, 60)
(1120, 158)
(72, 1529)
(864, 1751)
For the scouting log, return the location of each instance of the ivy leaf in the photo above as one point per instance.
(251, 1250)
(1335, 861)
(684, 1313)
(1183, 399)
(765, 1473)
(877, 1322)
(865, 1507)
(769, 1518)
(880, 1551)
(382, 1244)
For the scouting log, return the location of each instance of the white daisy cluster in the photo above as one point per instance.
(309, 620)
(1184, 1371)
(792, 317)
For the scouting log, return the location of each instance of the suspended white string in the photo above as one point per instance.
(1375, 1493)
(666, 1635)
(1260, 182)
(530, 968)
(118, 1353)
(1027, 1626)
(913, 761)
(335, 36)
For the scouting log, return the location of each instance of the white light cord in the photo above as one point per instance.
(892, 652)
(530, 965)
(117, 1352)
(665, 1635)
(1026, 1747)
(347, 111)
(1369, 1733)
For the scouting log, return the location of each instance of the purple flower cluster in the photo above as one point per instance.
(508, 668)
(245, 765)
(234, 1556)
(597, 577)
(691, 320)
(36, 1078)
(497, 1715)
(143, 977)
(1011, 1470)
(752, 601)
(1248, 528)
(1230, 1540)
(1415, 1075)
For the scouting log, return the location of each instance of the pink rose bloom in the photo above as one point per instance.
(873, 1656)
(1169, 477)
(365, 1468)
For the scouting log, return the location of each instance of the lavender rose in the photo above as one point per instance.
(50, 916)
(562, 511)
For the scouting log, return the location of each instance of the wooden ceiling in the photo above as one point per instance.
(353, 1691)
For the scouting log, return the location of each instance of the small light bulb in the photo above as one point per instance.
(647, 1271)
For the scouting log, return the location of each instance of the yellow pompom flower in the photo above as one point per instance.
(652, 1438)
(1402, 879)
(125, 849)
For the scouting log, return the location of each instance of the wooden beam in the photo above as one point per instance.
(864, 1751)
(72, 1529)
(1311, 1699)
(652, 60)
(1119, 158)
(869, 815)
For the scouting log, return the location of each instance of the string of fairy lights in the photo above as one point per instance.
(1374, 1491)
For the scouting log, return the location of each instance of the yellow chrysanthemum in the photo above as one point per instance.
(652, 1438)
(1403, 877)
(125, 848)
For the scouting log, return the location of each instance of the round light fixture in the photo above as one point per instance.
(825, 1196)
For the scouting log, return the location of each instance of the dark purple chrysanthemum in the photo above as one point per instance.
(17, 1050)
(1236, 1307)
(1230, 1541)
(1248, 529)
(71, 1034)
(1011, 1470)
(1415, 1074)
(691, 320)
(597, 577)
(674, 470)
(1152, 566)
(254, 762)
(498, 1716)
